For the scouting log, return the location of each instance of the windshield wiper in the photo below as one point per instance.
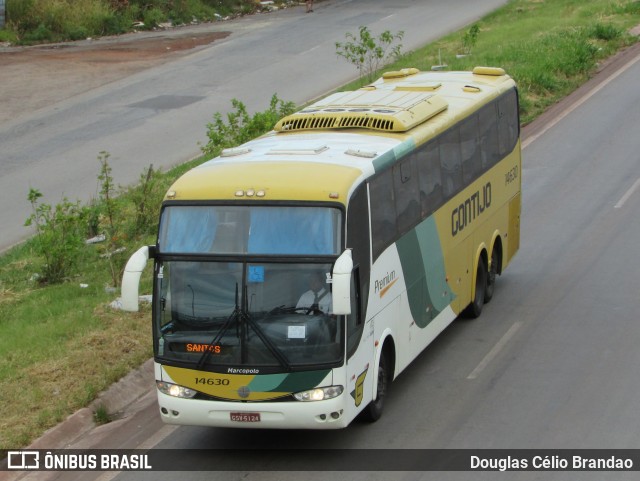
(244, 320)
(235, 315)
(247, 320)
(277, 353)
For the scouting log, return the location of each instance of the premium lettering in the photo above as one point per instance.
(380, 284)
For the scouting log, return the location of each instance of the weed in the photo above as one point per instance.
(146, 197)
(101, 415)
(606, 32)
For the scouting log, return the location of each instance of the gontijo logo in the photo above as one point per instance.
(470, 209)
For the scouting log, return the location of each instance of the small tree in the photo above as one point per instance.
(469, 39)
(369, 53)
(58, 236)
(146, 197)
(111, 220)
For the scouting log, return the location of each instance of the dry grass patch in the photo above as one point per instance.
(84, 366)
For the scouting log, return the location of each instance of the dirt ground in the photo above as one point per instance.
(32, 78)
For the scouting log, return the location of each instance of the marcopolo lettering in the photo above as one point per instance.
(470, 209)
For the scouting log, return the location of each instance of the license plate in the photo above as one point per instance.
(245, 417)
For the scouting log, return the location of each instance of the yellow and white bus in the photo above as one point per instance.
(297, 275)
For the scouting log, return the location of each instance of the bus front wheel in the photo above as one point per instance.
(373, 411)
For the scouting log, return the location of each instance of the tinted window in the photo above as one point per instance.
(508, 125)
(469, 151)
(406, 193)
(429, 178)
(451, 162)
(488, 136)
(383, 212)
(358, 239)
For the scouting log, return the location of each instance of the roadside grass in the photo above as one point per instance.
(549, 47)
(61, 344)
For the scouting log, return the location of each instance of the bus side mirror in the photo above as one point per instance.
(341, 279)
(131, 279)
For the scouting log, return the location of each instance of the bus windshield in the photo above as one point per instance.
(255, 315)
(243, 229)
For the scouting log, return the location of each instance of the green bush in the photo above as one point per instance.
(59, 236)
(605, 32)
(153, 17)
(40, 34)
(8, 36)
(240, 127)
(77, 32)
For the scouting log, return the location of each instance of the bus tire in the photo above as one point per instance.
(492, 274)
(374, 409)
(475, 308)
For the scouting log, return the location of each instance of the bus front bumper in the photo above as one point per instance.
(328, 414)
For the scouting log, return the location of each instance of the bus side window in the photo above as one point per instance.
(469, 149)
(405, 185)
(355, 322)
(488, 123)
(450, 162)
(383, 212)
(429, 178)
(507, 122)
(359, 241)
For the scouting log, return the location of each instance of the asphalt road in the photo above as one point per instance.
(159, 116)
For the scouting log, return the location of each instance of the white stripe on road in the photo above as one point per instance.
(627, 194)
(494, 352)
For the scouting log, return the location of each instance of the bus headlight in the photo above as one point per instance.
(319, 394)
(175, 390)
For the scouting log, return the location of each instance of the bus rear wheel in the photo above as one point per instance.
(475, 308)
(374, 410)
(492, 274)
